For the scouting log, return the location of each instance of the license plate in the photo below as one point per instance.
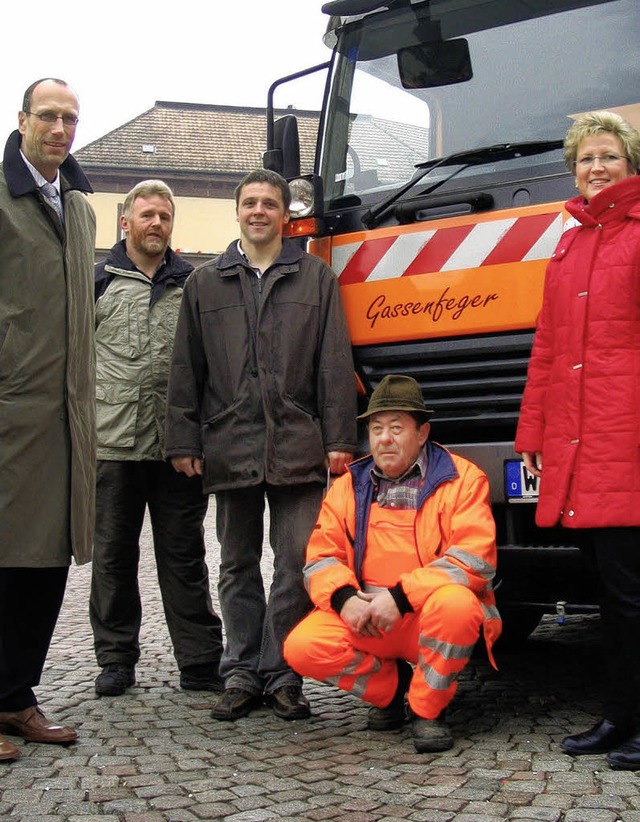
(519, 484)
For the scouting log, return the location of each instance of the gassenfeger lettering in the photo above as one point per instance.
(446, 304)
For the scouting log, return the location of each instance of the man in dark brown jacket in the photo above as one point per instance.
(47, 395)
(262, 404)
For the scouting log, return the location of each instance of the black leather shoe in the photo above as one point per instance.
(394, 715)
(603, 737)
(235, 703)
(289, 702)
(627, 756)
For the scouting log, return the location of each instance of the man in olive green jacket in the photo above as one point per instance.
(47, 396)
(138, 295)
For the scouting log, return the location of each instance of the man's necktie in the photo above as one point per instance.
(51, 193)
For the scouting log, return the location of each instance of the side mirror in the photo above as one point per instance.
(284, 157)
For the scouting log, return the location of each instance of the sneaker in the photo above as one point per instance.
(115, 679)
(235, 703)
(431, 735)
(288, 702)
(203, 677)
(394, 715)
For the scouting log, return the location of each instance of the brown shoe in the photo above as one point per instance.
(235, 703)
(288, 702)
(8, 750)
(33, 726)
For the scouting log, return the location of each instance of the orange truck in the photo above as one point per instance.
(434, 187)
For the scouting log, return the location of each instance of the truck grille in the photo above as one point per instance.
(474, 384)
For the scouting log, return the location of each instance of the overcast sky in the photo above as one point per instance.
(121, 56)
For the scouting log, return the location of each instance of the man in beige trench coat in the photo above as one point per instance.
(47, 396)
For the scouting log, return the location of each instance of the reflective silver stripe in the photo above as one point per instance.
(373, 589)
(435, 680)
(455, 573)
(446, 649)
(317, 565)
(360, 684)
(458, 575)
(490, 612)
(477, 564)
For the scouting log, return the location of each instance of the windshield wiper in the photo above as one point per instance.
(463, 159)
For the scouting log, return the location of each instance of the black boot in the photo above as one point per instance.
(627, 756)
(603, 737)
(393, 715)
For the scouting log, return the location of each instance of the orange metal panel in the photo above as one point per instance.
(451, 303)
(475, 274)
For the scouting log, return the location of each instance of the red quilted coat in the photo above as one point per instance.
(581, 405)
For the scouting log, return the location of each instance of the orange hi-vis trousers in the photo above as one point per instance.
(438, 640)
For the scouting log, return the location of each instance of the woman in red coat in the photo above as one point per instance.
(579, 428)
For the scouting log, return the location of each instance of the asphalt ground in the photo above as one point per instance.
(156, 755)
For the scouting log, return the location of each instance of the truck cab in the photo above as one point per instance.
(432, 181)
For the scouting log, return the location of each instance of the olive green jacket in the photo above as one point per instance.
(136, 319)
(47, 369)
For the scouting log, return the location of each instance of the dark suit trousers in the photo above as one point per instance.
(30, 602)
(613, 555)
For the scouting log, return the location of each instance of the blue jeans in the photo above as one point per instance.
(255, 626)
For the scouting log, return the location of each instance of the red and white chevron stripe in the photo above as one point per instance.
(454, 248)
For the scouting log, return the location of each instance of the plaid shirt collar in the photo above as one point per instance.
(403, 491)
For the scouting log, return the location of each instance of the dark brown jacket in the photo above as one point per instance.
(262, 394)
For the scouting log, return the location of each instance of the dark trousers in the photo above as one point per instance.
(613, 555)
(256, 625)
(177, 508)
(30, 602)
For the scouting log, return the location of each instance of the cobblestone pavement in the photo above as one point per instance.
(155, 755)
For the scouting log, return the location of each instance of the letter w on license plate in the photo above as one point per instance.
(519, 484)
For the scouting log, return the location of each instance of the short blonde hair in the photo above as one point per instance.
(596, 122)
(148, 188)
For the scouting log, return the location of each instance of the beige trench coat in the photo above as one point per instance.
(47, 370)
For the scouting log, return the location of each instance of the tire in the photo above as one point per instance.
(517, 624)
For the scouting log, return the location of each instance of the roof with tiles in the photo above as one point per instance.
(193, 139)
(205, 150)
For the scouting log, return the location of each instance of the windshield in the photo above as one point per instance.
(523, 82)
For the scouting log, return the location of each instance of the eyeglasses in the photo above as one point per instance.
(606, 160)
(49, 117)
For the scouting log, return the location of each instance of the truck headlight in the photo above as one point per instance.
(302, 197)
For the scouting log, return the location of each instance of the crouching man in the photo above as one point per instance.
(400, 568)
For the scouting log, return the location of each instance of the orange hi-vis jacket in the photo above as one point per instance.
(455, 535)
(448, 586)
